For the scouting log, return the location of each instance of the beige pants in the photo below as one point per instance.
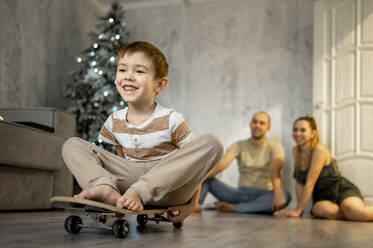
(168, 182)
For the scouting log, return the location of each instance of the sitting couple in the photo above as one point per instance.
(260, 161)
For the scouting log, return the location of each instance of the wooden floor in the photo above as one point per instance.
(209, 229)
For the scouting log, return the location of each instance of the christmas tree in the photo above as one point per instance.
(91, 95)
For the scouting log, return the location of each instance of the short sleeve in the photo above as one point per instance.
(235, 149)
(180, 132)
(277, 150)
(106, 132)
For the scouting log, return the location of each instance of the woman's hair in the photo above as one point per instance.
(313, 142)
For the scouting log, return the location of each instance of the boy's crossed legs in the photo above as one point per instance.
(171, 181)
(94, 169)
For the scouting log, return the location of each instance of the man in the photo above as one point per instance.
(260, 161)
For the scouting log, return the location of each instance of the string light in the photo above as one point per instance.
(111, 20)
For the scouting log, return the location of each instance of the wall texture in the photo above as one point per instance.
(229, 59)
(38, 41)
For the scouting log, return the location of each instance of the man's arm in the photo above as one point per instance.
(221, 165)
(279, 200)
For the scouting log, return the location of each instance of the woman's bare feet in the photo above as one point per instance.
(102, 193)
(130, 200)
(224, 207)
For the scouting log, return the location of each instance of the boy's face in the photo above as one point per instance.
(135, 78)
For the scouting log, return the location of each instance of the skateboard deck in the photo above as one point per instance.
(103, 213)
(91, 206)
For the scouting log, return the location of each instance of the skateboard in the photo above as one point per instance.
(107, 216)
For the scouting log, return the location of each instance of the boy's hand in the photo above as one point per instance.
(179, 213)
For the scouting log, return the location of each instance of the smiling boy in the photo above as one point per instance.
(158, 161)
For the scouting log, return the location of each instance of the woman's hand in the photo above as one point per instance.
(287, 213)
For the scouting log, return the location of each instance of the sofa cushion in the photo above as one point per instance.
(25, 188)
(29, 147)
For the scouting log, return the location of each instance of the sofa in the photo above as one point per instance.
(31, 166)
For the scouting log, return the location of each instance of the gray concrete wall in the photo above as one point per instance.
(229, 59)
(38, 41)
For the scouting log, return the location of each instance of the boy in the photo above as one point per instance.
(158, 162)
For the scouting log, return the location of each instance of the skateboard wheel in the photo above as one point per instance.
(121, 228)
(178, 224)
(142, 219)
(73, 224)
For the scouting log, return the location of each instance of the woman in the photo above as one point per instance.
(334, 197)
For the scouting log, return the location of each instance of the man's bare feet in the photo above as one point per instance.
(130, 200)
(198, 208)
(224, 207)
(102, 193)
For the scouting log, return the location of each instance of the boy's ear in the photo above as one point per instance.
(161, 85)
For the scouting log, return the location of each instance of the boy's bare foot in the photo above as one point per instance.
(130, 200)
(225, 207)
(102, 193)
(198, 208)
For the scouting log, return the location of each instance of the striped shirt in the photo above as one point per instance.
(158, 137)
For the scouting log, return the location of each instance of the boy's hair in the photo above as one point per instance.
(157, 57)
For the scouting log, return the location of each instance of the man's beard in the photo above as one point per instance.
(257, 137)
